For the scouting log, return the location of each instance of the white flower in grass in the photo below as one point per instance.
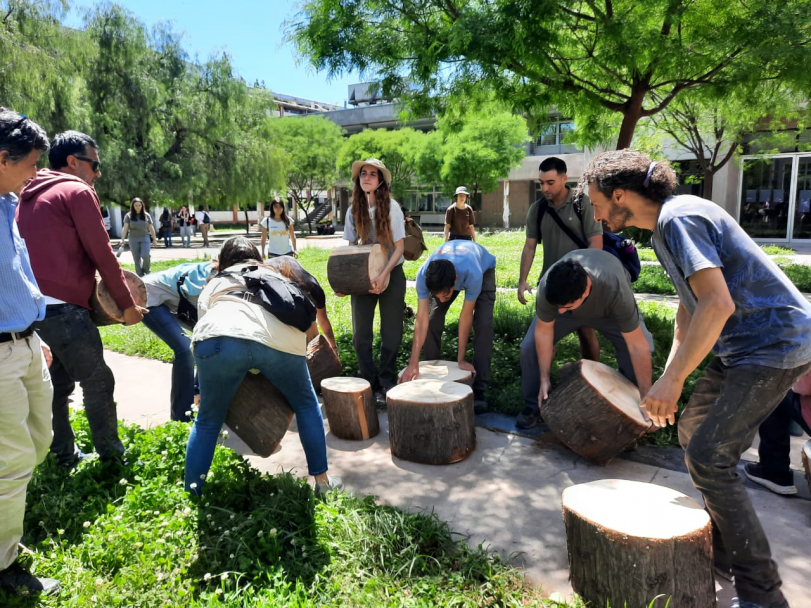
(187, 413)
(223, 576)
(123, 482)
(186, 511)
(218, 591)
(273, 532)
(99, 582)
(86, 524)
(139, 544)
(231, 556)
(156, 512)
(224, 434)
(260, 533)
(233, 515)
(203, 477)
(165, 453)
(193, 486)
(227, 533)
(207, 576)
(208, 516)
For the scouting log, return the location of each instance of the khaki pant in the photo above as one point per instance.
(25, 433)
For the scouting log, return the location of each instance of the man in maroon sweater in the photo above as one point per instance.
(59, 216)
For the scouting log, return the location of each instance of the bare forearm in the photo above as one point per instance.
(420, 331)
(596, 242)
(527, 257)
(680, 328)
(465, 323)
(545, 348)
(643, 370)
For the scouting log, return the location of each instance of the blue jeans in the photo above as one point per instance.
(185, 235)
(222, 363)
(166, 233)
(165, 325)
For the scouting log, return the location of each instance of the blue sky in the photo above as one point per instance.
(249, 31)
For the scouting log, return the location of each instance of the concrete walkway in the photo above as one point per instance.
(506, 495)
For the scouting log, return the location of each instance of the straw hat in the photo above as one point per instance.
(356, 166)
(461, 190)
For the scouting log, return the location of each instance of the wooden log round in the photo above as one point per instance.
(594, 411)
(447, 371)
(629, 542)
(431, 421)
(104, 310)
(807, 462)
(312, 333)
(322, 361)
(350, 408)
(350, 270)
(259, 414)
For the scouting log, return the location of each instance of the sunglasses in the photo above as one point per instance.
(95, 165)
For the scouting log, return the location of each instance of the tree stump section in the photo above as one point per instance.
(313, 332)
(350, 270)
(431, 421)
(594, 411)
(322, 362)
(350, 408)
(630, 541)
(259, 414)
(447, 371)
(104, 310)
(807, 462)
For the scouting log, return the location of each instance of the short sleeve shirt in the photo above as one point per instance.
(771, 324)
(557, 243)
(278, 236)
(611, 295)
(138, 228)
(470, 260)
(396, 219)
(460, 220)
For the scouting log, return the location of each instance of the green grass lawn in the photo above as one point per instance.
(133, 537)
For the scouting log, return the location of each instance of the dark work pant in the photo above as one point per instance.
(392, 308)
(775, 438)
(456, 237)
(78, 356)
(482, 331)
(717, 426)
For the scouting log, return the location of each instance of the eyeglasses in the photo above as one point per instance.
(95, 165)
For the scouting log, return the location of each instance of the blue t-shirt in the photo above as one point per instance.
(771, 325)
(471, 261)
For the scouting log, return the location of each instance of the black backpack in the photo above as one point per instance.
(621, 248)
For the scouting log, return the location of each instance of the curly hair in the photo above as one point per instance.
(628, 170)
(360, 211)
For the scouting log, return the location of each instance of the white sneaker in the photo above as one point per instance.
(333, 483)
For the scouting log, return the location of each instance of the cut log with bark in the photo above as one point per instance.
(322, 361)
(630, 542)
(259, 414)
(447, 371)
(104, 310)
(431, 421)
(350, 408)
(594, 411)
(807, 462)
(312, 333)
(350, 270)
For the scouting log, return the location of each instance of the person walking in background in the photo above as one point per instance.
(375, 217)
(167, 225)
(167, 293)
(459, 218)
(25, 384)
(203, 220)
(60, 217)
(184, 222)
(277, 232)
(234, 336)
(141, 231)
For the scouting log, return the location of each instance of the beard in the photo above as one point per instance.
(619, 217)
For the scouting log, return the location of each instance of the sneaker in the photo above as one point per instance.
(784, 487)
(739, 603)
(479, 406)
(333, 483)
(528, 418)
(17, 580)
(380, 396)
(72, 461)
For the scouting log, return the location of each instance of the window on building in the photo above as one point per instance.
(765, 188)
(426, 200)
(691, 177)
(550, 138)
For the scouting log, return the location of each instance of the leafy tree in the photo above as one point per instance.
(309, 145)
(589, 58)
(398, 149)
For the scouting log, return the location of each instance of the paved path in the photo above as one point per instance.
(506, 495)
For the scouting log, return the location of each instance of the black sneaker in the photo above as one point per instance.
(479, 406)
(18, 581)
(528, 418)
(784, 486)
(72, 461)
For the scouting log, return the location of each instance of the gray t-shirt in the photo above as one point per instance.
(611, 296)
(138, 228)
(557, 243)
(771, 325)
(396, 219)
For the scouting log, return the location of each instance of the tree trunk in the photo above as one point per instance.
(322, 361)
(350, 408)
(631, 113)
(447, 371)
(807, 462)
(594, 411)
(104, 310)
(431, 421)
(259, 414)
(630, 542)
(709, 177)
(247, 222)
(350, 269)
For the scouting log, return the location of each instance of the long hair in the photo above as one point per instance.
(284, 218)
(360, 211)
(237, 250)
(165, 215)
(137, 215)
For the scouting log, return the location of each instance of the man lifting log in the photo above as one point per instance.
(456, 266)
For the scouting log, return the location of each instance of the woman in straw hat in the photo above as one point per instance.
(374, 217)
(459, 219)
